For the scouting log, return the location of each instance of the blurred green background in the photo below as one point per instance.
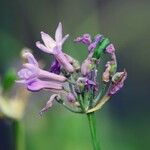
(124, 122)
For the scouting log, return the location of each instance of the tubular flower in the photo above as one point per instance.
(54, 47)
(32, 76)
(76, 87)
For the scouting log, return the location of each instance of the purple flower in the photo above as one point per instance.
(31, 73)
(54, 47)
(77, 88)
(117, 82)
(84, 39)
(50, 43)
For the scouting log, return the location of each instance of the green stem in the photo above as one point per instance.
(92, 125)
(19, 134)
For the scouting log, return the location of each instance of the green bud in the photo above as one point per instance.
(100, 47)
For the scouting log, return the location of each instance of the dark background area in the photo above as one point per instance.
(124, 122)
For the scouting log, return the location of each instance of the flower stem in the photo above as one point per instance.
(92, 125)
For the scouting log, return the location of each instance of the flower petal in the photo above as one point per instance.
(48, 41)
(52, 76)
(58, 33)
(26, 74)
(43, 48)
(32, 68)
(38, 84)
(64, 39)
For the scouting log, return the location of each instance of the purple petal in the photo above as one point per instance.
(52, 76)
(38, 84)
(26, 74)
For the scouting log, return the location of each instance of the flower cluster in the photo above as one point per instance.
(76, 87)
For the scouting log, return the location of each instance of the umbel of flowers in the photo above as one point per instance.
(76, 87)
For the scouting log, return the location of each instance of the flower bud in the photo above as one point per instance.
(71, 98)
(117, 82)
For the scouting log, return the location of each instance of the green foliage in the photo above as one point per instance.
(8, 80)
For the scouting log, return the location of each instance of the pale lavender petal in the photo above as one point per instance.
(52, 76)
(58, 33)
(49, 103)
(48, 41)
(38, 84)
(26, 74)
(44, 48)
(32, 68)
(30, 57)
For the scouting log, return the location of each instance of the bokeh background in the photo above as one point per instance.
(124, 122)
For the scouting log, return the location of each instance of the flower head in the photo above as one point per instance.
(79, 88)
